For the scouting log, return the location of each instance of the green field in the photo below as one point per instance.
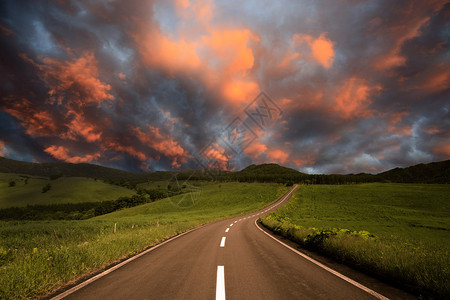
(398, 231)
(38, 256)
(63, 190)
(159, 184)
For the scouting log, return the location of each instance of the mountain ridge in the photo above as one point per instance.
(435, 172)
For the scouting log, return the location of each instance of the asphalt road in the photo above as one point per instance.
(232, 259)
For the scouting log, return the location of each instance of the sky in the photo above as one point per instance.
(318, 86)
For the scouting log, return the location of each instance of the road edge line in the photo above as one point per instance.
(336, 273)
(113, 268)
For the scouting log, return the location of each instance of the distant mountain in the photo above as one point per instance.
(54, 170)
(269, 173)
(268, 169)
(66, 169)
(435, 172)
(115, 176)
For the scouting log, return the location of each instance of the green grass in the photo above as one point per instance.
(156, 185)
(35, 261)
(398, 231)
(63, 190)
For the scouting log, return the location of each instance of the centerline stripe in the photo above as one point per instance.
(220, 283)
(222, 242)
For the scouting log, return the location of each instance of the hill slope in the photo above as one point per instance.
(67, 169)
(435, 172)
(28, 190)
(79, 170)
(268, 173)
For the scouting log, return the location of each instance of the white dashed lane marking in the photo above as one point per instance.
(220, 283)
(222, 242)
(228, 229)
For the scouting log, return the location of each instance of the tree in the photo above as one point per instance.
(46, 188)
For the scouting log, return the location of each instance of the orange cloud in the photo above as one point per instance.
(393, 57)
(157, 50)
(278, 155)
(288, 60)
(78, 126)
(353, 98)
(322, 48)
(394, 119)
(323, 51)
(436, 82)
(230, 50)
(255, 149)
(230, 57)
(76, 80)
(238, 91)
(221, 58)
(36, 122)
(62, 153)
(163, 144)
(183, 4)
(125, 149)
(215, 152)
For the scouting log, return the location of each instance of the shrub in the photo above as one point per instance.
(46, 188)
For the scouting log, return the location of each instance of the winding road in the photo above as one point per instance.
(228, 259)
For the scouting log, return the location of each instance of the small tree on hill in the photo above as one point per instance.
(46, 188)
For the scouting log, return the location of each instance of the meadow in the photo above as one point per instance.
(398, 232)
(27, 190)
(37, 257)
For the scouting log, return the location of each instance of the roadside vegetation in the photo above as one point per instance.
(36, 257)
(398, 232)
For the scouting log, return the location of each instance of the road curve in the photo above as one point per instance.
(228, 259)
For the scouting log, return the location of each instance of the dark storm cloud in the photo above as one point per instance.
(147, 85)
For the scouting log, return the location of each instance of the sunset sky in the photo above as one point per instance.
(351, 86)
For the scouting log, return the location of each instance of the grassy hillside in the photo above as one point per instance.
(38, 256)
(398, 231)
(28, 190)
(437, 172)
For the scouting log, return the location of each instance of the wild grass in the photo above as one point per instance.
(400, 232)
(63, 190)
(37, 257)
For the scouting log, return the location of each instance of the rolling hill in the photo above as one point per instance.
(435, 172)
(28, 190)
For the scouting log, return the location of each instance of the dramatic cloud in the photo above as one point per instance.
(160, 85)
